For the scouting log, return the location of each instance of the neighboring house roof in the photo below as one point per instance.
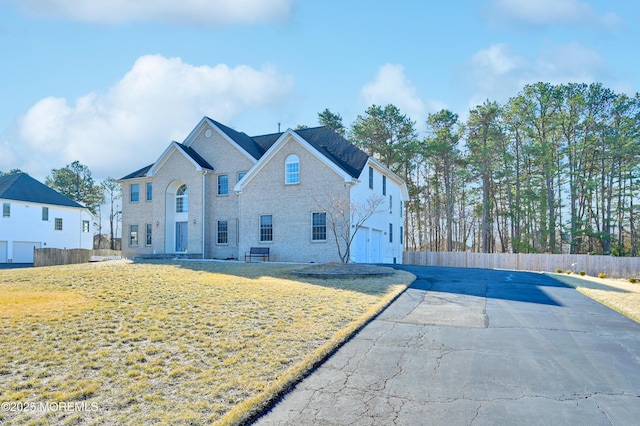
(327, 142)
(22, 187)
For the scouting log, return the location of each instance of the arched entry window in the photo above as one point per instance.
(182, 199)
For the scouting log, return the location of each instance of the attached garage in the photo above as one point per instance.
(3, 252)
(23, 251)
(359, 246)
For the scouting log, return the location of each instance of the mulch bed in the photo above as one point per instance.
(344, 270)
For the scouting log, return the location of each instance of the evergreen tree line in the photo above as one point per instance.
(555, 169)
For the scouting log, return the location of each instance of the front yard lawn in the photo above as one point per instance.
(168, 343)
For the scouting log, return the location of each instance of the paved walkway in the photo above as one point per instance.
(481, 347)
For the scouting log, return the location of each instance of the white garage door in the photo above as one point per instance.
(3, 252)
(359, 246)
(376, 244)
(23, 251)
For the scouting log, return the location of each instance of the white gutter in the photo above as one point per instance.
(204, 203)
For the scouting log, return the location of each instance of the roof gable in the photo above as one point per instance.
(22, 187)
(321, 152)
(189, 153)
(241, 141)
(332, 147)
(343, 153)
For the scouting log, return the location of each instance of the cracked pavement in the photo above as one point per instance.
(477, 347)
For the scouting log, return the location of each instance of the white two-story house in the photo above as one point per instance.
(36, 216)
(221, 192)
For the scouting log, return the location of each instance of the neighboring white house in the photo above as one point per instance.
(221, 192)
(36, 216)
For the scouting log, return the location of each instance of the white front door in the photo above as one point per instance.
(182, 236)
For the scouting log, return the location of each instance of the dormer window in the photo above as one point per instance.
(292, 170)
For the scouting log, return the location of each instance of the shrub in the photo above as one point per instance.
(559, 271)
(582, 273)
(568, 272)
(633, 280)
(602, 275)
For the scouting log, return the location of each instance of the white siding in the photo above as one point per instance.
(3, 252)
(26, 225)
(23, 251)
(379, 249)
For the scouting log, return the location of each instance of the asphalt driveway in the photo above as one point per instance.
(474, 346)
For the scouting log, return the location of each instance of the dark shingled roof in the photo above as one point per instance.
(22, 187)
(138, 173)
(245, 141)
(340, 151)
(343, 153)
(346, 155)
(195, 156)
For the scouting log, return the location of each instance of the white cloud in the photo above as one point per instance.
(391, 86)
(201, 12)
(538, 13)
(160, 99)
(497, 73)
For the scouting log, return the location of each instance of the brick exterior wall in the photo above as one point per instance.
(228, 160)
(291, 206)
(264, 193)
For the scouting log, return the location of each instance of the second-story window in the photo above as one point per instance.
(135, 192)
(223, 184)
(182, 199)
(292, 170)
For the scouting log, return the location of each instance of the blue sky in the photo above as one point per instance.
(111, 83)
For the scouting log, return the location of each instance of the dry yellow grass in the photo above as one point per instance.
(618, 294)
(169, 343)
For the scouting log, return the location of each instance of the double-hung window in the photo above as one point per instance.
(182, 199)
(133, 235)
(6, 210)
(292, 170)
(57, 224)
(318, 227)
(149, 231)
(266, 228)
(85, 226)
(223, 232)
(135, 192)
(370, 177)
(223, 185)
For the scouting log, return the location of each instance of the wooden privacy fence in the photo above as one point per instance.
(54, 256)
(614, 267)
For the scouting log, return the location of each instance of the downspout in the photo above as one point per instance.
(204, 203)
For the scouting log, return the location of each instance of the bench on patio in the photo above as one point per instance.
(261, 252)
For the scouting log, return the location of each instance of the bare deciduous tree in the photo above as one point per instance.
(345, 217)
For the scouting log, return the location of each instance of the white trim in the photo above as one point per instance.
(287, 136)
(173, 146)
(385, 171)
(207, 121)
